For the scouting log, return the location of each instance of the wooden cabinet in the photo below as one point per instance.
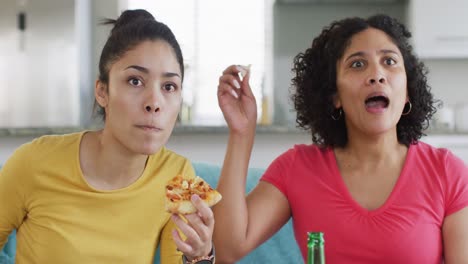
(440, 28)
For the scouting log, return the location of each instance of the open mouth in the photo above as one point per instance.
(378, 101)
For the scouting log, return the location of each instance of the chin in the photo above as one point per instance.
(381, 130)
(150, 149)
(151, 145)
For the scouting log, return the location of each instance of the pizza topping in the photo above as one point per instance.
(179, 192)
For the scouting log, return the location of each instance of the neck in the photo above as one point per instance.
(374, 150)
(115, 166)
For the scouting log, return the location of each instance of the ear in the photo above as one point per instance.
(101, 93)
(336, 101)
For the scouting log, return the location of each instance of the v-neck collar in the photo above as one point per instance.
(343, 189)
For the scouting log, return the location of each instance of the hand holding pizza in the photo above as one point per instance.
(192, 198)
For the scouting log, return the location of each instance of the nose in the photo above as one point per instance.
(153, 101)
(376, 76)
(375, 80)
(148, 108)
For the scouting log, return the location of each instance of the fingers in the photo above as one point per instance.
(203, 220)
(193, 241)
(244, 71)
(202, 231)
(200, 224)
(229, 84)
(237, 76)
(188, 231)
(181, 245)
(198, 229)
(233, 69)
(205, 212)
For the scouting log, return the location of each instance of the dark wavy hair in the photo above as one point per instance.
(130, 29)
(314, 84)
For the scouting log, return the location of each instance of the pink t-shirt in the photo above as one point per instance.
(405, 229)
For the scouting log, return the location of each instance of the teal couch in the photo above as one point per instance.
(279, 249)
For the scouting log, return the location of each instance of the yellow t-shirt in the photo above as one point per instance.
(60, 218)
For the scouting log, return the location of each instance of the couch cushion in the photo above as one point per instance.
(7, 255)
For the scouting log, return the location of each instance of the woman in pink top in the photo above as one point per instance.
(378, 194)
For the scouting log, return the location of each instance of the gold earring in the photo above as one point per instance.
(409, 110)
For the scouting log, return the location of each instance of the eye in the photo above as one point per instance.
(357, 64)
(390, 61)
(169, 87)
(135, 82)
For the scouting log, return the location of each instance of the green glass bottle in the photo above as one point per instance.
(315, 248)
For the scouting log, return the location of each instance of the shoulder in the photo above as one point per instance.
(51, 142)
(310, 149)
(440, 163)
(429, 154)
(171, 163)
(165, 155)
(304, 150)
(41, 146)
(307, 153)
(300, 155)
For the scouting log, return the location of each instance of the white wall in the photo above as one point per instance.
(447, 77)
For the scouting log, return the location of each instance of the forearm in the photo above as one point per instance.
(231, 214)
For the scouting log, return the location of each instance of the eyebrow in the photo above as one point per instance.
(360, 53)
(145, 70)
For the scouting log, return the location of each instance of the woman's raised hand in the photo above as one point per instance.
(236, 100)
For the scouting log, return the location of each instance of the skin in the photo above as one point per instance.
(372, 64)
(372, 160)
(141, 101)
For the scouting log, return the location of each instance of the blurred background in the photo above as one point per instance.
(49, 52)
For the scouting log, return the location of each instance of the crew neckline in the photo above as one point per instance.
(90, 187)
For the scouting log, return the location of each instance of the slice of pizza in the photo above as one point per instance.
(179, 192)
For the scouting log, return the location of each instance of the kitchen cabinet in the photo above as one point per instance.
(439, 28)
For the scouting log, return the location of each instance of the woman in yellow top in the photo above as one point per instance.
(98, 196)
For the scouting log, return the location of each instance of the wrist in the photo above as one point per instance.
(208, 259)
(243, 131)
(241, 139)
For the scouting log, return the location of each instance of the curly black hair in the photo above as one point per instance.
(314, 84)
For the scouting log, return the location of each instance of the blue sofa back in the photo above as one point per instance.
(281, 248)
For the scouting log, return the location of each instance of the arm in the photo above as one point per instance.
(455, 236)
(12, 192)
(455, 225)
(242, 223)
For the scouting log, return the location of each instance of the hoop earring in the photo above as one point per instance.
(335, 116)
(409, 110)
